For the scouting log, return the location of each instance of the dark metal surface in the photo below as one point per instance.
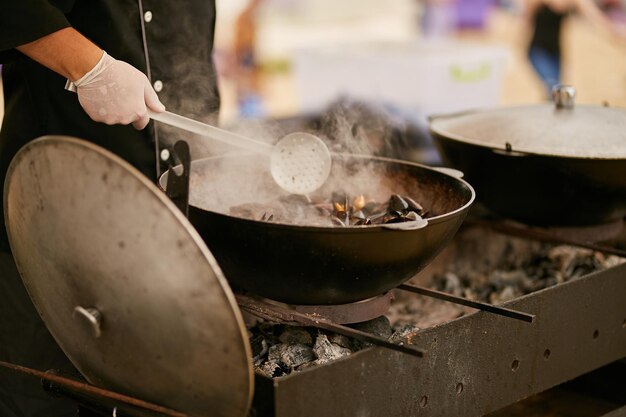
(620, 412)
(538, 189)
(502, 311)
(475, 364)
(283, 315)
(356, 312)
(582, 131)
(61, 385)
(177, 188)
(332, 265)
(123, 281)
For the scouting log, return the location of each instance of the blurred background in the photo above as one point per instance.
(285, 59)
(280, 58)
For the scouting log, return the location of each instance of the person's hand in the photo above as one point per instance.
(115, 92)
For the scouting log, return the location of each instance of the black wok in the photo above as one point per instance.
(541, 165)
(327, 265)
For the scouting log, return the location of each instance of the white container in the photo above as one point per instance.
(426, 77)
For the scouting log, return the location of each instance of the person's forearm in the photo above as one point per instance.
(65, 52)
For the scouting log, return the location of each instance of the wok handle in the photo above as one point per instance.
(177, 188)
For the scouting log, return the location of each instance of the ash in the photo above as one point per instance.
(494, 268)
(279, 349)
(515, 274)
(479, 265)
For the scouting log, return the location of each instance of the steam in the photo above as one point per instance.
(244, 179)
(230, 177)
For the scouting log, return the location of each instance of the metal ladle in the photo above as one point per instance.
(299, 162)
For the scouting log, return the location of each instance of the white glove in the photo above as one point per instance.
(115, 92)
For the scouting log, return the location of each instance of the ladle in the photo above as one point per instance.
(299, 162)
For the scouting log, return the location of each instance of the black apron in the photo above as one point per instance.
(179, 39)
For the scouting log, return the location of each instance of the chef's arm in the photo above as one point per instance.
(110, 91)
(65, 52)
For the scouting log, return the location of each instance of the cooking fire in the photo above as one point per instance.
(511, 267)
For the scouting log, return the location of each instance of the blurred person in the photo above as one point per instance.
(119, 55)
(249, 101)
(545, 19)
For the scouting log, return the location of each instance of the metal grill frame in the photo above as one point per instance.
(474, 365)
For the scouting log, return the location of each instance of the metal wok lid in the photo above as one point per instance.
(560, 129)
(122, 280)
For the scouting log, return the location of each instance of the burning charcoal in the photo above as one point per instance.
(296, 335)
(340, 340)
(507, 294)
(325, 351)
(291, 355)
(271, 369)
(259, 348)
(503, 279)
(404, 334)
(413, 205)
(269, 331)
(379, 326)
(397, 203)
(450, 283)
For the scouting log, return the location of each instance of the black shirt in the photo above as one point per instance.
(179, 39)
(547, 30)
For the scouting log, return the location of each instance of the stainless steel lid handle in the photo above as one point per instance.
(92, 317)
(563, 96)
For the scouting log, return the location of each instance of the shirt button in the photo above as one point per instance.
(147, 16)
(158, 86)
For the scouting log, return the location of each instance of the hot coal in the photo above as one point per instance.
(340, 210)
(516, 275)
(291, 356)
(404, 334)
(479, 265)
(490, 267)
(379, 326)
(326, 351)
(283, 349)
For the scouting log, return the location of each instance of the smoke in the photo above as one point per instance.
(231, 177)
(241, 184)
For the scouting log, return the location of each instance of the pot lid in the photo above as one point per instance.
(560, 129)
(123, 281)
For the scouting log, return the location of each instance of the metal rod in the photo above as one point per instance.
(93, 390)
(502, 311)
(543, 236)
(285, 315)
